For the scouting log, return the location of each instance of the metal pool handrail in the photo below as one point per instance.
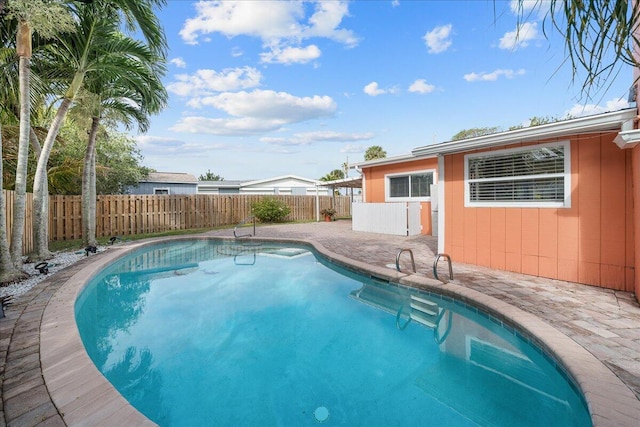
(435, 266)
(413, 263)
(243, 222)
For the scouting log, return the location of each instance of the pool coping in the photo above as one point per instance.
(83, 396)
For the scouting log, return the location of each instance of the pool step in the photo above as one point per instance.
(424, 311)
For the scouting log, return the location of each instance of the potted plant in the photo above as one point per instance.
(329, 214)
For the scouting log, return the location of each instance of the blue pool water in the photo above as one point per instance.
(204, 332)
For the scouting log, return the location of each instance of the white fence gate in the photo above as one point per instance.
(399, 219)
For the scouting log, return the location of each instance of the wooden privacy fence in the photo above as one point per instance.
(123, 215)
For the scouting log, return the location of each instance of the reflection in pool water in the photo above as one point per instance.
(205, 332)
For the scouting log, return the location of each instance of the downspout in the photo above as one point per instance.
(441, 205)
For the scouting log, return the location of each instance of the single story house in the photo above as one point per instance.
(166, 183)
(288, 185)
(555, 200)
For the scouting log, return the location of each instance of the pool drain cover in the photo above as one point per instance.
(321, 413)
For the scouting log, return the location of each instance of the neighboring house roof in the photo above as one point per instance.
(222, 184)
(614, 121)
(282, 178)
(260, 182)
(171, 178)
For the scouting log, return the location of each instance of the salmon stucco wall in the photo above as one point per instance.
(636, 214)
(591, 242)
(375, 184)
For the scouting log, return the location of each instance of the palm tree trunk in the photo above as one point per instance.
(41, 188)
(93, 200)
(8, 272)
(89, 187)
(35, 143)
(17, 232)
(40, 182)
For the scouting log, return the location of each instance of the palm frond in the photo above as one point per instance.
(599, 35)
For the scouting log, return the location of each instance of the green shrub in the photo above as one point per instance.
(270, 210)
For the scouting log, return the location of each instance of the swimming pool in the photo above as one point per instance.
(298, 341)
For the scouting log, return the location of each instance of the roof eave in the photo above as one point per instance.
(385, 161)
(602, 122)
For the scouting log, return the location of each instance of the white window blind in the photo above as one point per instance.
(529, 176)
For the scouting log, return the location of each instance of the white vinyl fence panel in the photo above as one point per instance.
(399, 219)
(414, 225)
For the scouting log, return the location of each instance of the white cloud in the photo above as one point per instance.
(522, 5)
(291, 55)
(438, 40)
(255, 112)
(179, 62)
(269, 21)
(267, 104)
(519, 37)
(352, 149)
(421, 86)
(326, 20)
(237, 52)
(205, 81)
(493, 76)
(232, 18)
(229, 127)
(528, 7)
(372, 89)
(306, 138)
(580, 110)
(155, 145)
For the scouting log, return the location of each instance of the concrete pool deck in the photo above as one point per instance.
(47, 379)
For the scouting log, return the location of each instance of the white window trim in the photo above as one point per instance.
(162, 189)
(548, 204)
(387, 187)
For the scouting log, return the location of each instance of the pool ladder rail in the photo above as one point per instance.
(242, 223)
(413, 262)
(426, 313)
(435, 263)
(435, 266)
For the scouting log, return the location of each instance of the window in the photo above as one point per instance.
(535, 176)
(160, 191)
(414, 186)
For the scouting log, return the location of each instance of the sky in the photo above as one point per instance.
(261, 89)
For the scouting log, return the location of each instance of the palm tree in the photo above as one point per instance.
(92, 48)
(375, 152)
(333, 175)
(8, 271)
(30, 15)
(139, 14)
(600, 36)
(128, 96)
